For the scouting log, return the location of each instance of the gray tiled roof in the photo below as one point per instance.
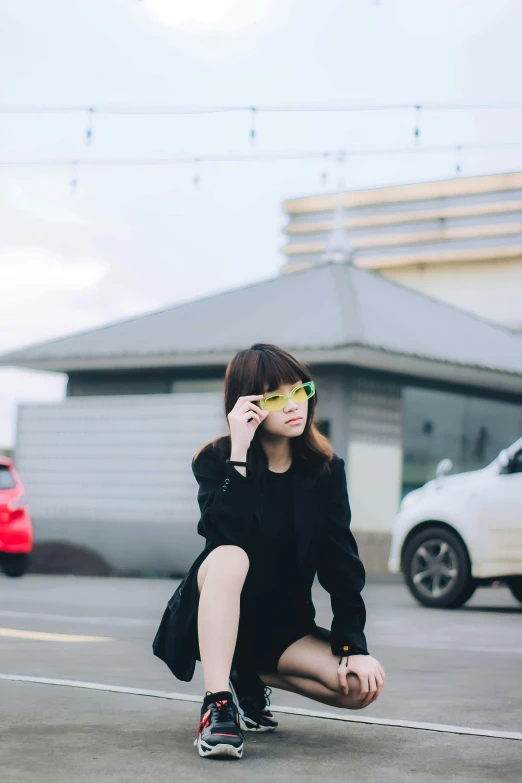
(318, 311)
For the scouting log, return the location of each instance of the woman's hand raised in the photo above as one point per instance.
(244, 419)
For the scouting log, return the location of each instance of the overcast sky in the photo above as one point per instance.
(128, 239)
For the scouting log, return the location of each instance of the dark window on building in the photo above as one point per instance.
(471, 431)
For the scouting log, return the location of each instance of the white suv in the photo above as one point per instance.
(458, 532)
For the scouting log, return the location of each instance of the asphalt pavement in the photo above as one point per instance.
(84, 700)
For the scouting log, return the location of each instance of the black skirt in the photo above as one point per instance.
(268, 624)
(260, 644)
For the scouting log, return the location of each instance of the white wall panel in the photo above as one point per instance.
(374, 453)
(90, 463)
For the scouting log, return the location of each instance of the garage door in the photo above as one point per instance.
(114, 473)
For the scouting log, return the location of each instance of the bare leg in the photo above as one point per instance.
(308, 667)
(220, 581)
(313, 689)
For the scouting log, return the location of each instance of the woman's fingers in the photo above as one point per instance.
(364, 685)
(244, 402)
(373, 684)
(380, 682)
(372, 689)
(343, 680)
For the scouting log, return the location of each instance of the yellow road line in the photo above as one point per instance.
(14, 633)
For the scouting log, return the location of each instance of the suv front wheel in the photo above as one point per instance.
(437, 568)
(515, 585)
(14, 564)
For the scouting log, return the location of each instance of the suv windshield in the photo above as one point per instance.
(6, 478)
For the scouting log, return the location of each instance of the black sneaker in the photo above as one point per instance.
(252, 699)
(219, 732)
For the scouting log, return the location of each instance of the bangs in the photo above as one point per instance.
(275, 371)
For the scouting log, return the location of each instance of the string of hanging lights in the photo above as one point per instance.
(253, 112)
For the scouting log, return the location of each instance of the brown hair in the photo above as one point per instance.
(249, 372)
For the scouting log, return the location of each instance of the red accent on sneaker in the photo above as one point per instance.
(203, 722)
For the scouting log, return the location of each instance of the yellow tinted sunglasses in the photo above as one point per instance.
(275, 402)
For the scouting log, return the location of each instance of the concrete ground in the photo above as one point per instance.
(445, 668)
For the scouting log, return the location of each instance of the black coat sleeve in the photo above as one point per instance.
(226, 500)
(340, 570)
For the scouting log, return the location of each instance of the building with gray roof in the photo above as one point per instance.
(403, 381)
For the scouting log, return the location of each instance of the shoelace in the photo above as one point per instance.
(259, 707)
(226, 712)
(263, 709)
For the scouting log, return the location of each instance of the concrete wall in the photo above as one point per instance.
(374, 465)
(491, 289)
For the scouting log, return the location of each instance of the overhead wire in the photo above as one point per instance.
(261, 156)
(267, 108)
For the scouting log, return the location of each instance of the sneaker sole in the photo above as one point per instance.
(246, 723)
(222, 749)
(246, 726)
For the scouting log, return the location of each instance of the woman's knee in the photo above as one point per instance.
(226, 562)
(353, 700)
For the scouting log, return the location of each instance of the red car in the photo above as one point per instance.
(16, 528)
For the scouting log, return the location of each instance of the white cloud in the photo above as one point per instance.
(222, 16)
(45, 296)
(43, 204)
(27, 274)
(17, 386)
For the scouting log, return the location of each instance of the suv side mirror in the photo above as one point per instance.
(503, 459)
(444, 466)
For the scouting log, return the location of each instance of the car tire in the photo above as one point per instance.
(447, 582)
(14, 564)
(515, 585)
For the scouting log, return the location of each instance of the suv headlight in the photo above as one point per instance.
(411, 498)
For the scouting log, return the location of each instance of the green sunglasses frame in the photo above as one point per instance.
(261, 402)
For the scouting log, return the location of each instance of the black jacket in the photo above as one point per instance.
(230, 505)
